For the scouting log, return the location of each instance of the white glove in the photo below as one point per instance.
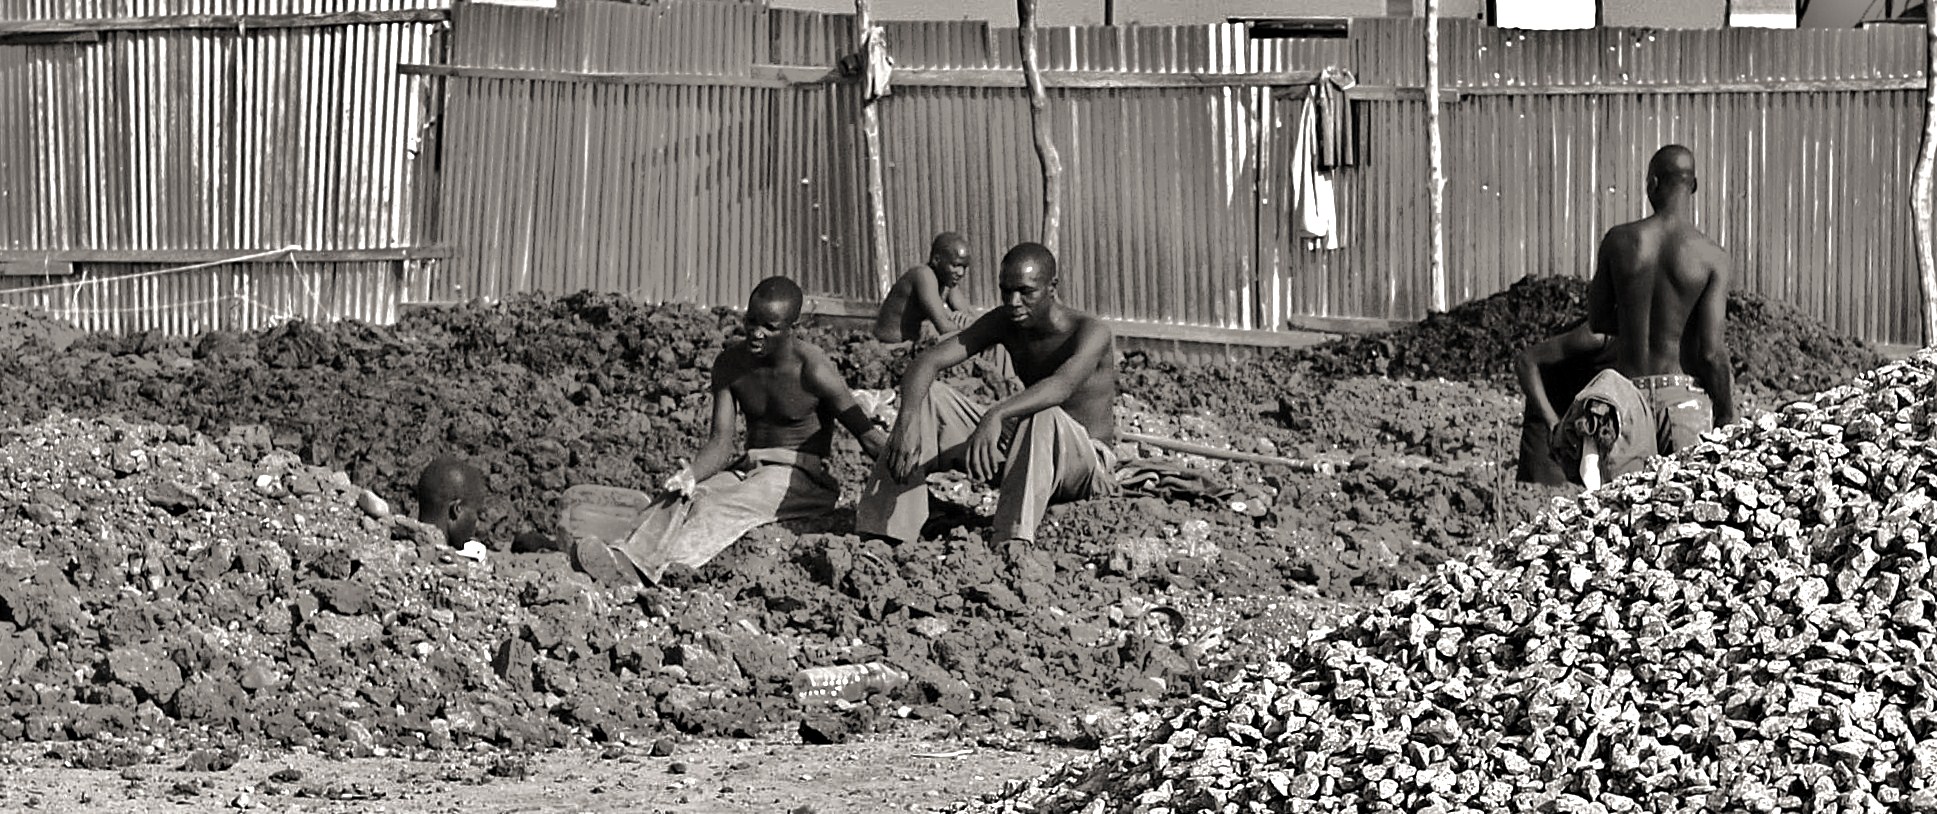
(681, 482)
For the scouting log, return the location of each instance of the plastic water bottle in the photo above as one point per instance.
(847, 682)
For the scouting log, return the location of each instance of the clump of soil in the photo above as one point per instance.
(1778, 352)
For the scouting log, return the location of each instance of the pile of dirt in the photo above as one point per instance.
(157, 588)
(1743, 627)
(1778, 352)
(546, 393)
(161, 589)
(543, 393)
(23, 326)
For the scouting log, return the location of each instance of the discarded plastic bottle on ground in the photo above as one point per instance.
(847, 682)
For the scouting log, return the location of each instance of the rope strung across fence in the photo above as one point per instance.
(74, 311)
(262, 255)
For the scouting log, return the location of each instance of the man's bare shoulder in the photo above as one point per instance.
(1628, 234)
(1088, 324)
(811, 356)
(1711, 250)
(733, 360)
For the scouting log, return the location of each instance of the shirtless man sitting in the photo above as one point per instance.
(792, 396)
(927, 295)
(1660, 288)
(1049, 442)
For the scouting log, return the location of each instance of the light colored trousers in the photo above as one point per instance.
(764, 486)
(1047, 457)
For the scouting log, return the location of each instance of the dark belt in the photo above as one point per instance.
(1665, 380)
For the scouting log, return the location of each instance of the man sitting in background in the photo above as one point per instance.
(927, 295)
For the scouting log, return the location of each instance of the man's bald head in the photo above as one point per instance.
(948, 255)
(1670, 172)
(1028, 284)
(449, 494)
(1031, 255)
(776, 296)
(947, 243)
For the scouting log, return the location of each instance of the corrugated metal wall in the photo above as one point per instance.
(661, 191)
(1159, 220)
(1178, 198)
(127, 297)
(213, 139)
(1807, 190)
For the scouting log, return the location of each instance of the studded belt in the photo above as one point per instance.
(1666, 380)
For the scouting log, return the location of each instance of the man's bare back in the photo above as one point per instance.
(1660, 289)
(1657, 271)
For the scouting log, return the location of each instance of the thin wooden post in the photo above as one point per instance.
(1434, 158)
(1052, 164)
(871, 150)
(1920, 189)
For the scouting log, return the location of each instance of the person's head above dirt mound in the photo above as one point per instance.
(450, 493)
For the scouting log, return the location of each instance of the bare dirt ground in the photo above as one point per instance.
(911, 771)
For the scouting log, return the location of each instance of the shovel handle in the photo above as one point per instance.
(1208, 451)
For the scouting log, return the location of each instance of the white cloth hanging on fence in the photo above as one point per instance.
(1314, 209)
(880, 66)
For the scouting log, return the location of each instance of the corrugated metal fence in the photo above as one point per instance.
(704, 168)
(632, 148)
(684, 149)
(151, 134)
(1805, 141)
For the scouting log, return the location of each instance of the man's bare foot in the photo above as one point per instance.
(608, 569)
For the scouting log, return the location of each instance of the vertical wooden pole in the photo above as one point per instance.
(1052, 164)
(1434, 158)
(1920, 189)
(871, 151)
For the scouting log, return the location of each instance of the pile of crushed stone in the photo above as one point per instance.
(1744, 627)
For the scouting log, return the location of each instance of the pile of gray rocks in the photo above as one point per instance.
(1747, 626)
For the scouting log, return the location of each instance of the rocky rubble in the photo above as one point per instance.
(1778, 352)
(1745, 627)
(1124, 600)
(159, 590)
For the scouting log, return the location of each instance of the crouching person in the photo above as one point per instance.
(792, 396)
(1048, 443)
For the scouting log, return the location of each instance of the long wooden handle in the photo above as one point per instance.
(1227, 454)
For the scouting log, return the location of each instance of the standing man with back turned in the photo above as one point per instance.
(1660, 289)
